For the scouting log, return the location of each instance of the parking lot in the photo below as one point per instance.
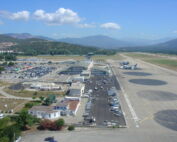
(102, 108)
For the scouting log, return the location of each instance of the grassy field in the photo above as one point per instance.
(105, 57)
(158, 59)
(26, 93)
(54, 58)
(63, 57)
(2, 83)
(8, 104)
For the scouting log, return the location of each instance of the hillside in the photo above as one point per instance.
(169, 47)
(26, 36)
(98, 41)
(35, 46)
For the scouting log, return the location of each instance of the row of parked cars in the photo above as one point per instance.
(114, 102)
(36, 72)
(88, 119)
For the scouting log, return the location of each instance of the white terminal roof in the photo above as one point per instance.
(77, 85)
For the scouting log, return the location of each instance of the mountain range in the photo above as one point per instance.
(99, 41)
(166, 45)
(112, 43)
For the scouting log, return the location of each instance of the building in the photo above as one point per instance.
(68, 107)
(76, 89)
(44, 112)
(45, 86)
(86, 74)
(1, 115)
(78, 78)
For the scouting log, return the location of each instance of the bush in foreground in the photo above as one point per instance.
(52, 125)
(71, 128)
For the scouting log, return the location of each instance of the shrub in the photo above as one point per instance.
(51, 125)
(71, 128)
(45, 124)
(29, 105)
(60, 123)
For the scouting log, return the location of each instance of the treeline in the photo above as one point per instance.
(7, 60)
(7, 57)
(42, 47)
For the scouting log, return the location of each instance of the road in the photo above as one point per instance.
(7, 95)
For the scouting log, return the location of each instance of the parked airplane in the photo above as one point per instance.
(129, 67)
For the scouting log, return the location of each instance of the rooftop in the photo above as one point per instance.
(48, 109)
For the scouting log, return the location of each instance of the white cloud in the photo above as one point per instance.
(59, 17)
(21, 15)
(86, 25)
(175, 32)
(110, 25)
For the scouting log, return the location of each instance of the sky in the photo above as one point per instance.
(144, 19)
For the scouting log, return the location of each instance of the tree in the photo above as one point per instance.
(41, 98)
(4, 139)
(29, 105)
(11, 64)
(60, 123)
(24, 119)
(35, 94)
(33, 97)
(12, 132)
(4, 122)
(1, 69)
(47, 102)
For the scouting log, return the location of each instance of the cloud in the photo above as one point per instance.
(86, 25)
(21, 15)
(60, 17)
(175, 32)
(110, 25)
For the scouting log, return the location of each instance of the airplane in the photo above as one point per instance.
(124, 63)
(129, 67)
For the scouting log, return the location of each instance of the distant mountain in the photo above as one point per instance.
(26, 36)
(141, 41)
(169, 44)
(169, 47)
(98, 41)
(20, 35)
(107, 42)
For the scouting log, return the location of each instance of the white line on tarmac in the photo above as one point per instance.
(132, 111)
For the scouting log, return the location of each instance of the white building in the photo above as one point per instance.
(78, 78)
(45, 86)
(1, 115)
(44, 112)
(86, 74)
(68, 106)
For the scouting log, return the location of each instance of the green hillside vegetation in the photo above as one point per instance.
(35, 46)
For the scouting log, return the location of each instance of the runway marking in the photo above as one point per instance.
(149, 117)
(132, 111)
